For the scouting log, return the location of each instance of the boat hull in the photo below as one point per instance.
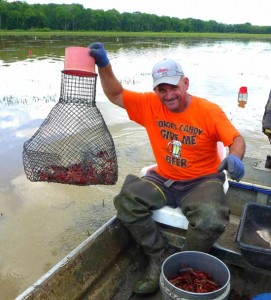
(106, 265)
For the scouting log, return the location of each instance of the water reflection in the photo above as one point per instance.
(18, 48)
(41, 222)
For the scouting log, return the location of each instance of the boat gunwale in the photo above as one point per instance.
(74, 253)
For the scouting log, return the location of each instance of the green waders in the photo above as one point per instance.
(133, 205)
(208, 214)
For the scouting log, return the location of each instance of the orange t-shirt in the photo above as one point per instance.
(198, 128)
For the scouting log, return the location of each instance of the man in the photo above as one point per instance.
(183, 131)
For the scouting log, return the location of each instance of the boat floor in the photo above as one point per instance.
(244, 285)
(113, 276)
(246, 280)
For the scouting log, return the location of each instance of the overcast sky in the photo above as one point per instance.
(257, 12)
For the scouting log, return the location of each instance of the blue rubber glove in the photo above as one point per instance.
(98, 52)
(234, 166)
(266, 296)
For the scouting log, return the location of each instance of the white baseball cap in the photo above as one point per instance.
(167, 71)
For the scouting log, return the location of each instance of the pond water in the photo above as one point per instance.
(40, 223)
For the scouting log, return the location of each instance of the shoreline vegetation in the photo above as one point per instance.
(74, 18)
(136, 34)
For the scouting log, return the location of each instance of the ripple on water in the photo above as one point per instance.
(12, 282)
(15, 274)
(22, 194)
(4, 188)
(62, 205)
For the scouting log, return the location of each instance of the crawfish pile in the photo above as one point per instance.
(77, 174)
(195, 281)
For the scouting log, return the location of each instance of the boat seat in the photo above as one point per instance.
(174, 216)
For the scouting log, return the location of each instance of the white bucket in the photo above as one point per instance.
(198, 261)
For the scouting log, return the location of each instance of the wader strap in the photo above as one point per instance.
(169, 182)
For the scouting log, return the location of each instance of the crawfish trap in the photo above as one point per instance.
(73, 144)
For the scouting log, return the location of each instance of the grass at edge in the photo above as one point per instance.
(140, 34)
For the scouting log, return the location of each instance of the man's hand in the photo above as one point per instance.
(234, 166)
(98, 52)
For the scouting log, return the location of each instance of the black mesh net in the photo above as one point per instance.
(73, 145)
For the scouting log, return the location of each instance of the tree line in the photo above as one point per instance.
(74, 17)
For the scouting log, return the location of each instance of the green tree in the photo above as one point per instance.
(63, 16)
(112, 20)
(76, 12)
(127, 22)
(3, 13)
(34, 17)
(20, 15)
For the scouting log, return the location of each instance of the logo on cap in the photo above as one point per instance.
(162, 70)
